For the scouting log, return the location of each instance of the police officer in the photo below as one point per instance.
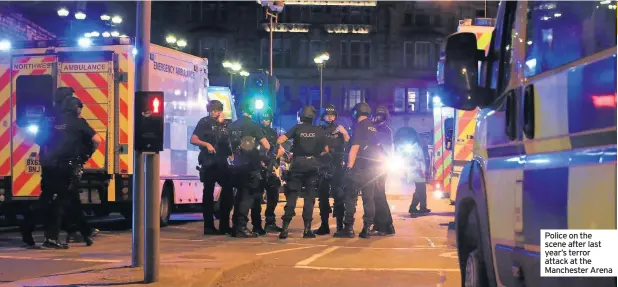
(69, 139)
(331, 181)
(309, 143)
(361, 170)
(246, 135)
(271, 182)
(383, 224)
(212, 136)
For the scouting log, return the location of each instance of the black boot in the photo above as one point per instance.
(54, 244)
(272, 227)
(308, 233)
(259, 230)
(324, 228)
(284, 230)
(389, 230)
(346, 232)
(339, 223)
(366, 232)
(224, 226)
(209, 229)
(243, 232)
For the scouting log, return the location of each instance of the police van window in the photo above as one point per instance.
(559, 33)
(34, 94)
(499, 57)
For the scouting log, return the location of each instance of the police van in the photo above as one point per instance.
(544, 155)
(102, 73)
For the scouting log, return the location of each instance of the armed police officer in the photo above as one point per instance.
(68, 143)
(363, 160)
(383, 222)
(331, 176)
(246, 137)
(212, 136)
(308, 144)
(271, 182)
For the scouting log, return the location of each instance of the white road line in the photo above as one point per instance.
(430, 242)
(286, 250)
(61, 259)
(316, 256)
(379, 269)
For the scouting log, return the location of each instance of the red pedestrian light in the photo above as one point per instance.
(155, 105)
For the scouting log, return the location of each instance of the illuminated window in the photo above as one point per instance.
(353, 97)
(399, 100)
(412, 106)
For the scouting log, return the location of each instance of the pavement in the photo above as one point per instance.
(418, 255)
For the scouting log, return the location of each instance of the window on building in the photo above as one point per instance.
(314, 96)
(408, 54)
(572, 31)
(407, 19)
(399, 100)
(302, 53)
(355, 54)
(406, 100)
(437, 20)
(353, 97)
(412, 105)
(421, 20)
(282, 52)
(213, 49)
(344, 55)
(423, 55)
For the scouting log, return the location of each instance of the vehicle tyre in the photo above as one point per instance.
(165, 208)
(472, 266)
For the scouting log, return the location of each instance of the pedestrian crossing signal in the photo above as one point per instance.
(149, 121)
(155, 106)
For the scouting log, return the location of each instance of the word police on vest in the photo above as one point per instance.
(307, 135)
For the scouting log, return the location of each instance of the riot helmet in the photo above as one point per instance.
(307, 114)
(329, 110)
(361, 109)
(62, 93)
(381, 116)
(72, 105)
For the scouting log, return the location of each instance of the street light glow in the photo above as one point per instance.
(105, 17)
(84, 42)
(259, 104)
(115, 33)
(236, 67)
(227, 64)
(170, 39)
(5, 45)
(106, 34)
(116, 20)
(318, 60)
(181, 43)
(80, 16)
(324, 57)
(63, 12)
(244, 73)
(94, 34)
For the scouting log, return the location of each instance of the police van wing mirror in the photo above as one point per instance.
(458, 72)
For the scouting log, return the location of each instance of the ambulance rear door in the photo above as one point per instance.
(463, 144)
(90, 74)
(33, 82)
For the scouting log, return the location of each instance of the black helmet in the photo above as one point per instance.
(307, 112)
(61, 94)
(361, 109)
(214, 105)
(267, 115)
(70, 105)
(381, 115)
(247, 108)
(329, 110)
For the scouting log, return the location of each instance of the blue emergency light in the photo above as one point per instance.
(33, 129)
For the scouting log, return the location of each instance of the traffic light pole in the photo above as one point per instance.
(153, 223)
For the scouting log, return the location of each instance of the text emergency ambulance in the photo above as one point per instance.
(545, 142)
(454, 129)
(102, 73)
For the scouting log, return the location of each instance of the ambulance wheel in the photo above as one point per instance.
(471, 262)
(165, 210)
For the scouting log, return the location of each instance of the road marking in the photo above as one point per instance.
(430, 242)
(61, 259)
(379, 269)
(315, 257)
(449, 255)
(286, 250)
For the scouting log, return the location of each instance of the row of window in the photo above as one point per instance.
(419, 55)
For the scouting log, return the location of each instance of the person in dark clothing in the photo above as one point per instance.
(331, 180)
(362, 168)
(271, 182)
(66, 142)
(309, 143)
(383, 224)
(417, 172)
(245, 137)
(212, 136)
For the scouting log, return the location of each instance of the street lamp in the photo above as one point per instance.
(115, 33)
(181, 43)
(80, 16)
(227, 64)
(236, 67)
(232, 68)
(116, 20)
(63, 12)
(320, 61)
(105, 17)
(94, 34)
(170, 39)
(106, 34)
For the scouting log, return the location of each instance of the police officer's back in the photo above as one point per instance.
(246, 136)
(212, 136)
(309, 143)
(383, 224)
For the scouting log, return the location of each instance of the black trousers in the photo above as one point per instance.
(303, 174)
(360, 181)
(419, 197)
(218, 173)
(75, 219)
(383, 216)
(247, 183)
(271, 184)
(333, 184)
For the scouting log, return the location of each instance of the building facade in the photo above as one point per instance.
(382, 53)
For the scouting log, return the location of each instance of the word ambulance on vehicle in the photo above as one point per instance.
(454, 129)
(545, 139)
(102, 73)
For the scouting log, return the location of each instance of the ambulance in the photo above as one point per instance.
(102, 73)
(544, 154)
(454, 129)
